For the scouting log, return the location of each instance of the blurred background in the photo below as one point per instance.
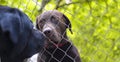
(95, 24)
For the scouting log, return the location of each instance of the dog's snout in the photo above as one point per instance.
(47, 31)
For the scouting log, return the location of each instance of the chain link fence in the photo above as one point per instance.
(95, 25)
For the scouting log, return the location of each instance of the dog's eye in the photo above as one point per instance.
(42, 21)
(54, 20)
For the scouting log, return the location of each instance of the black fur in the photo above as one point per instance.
(18, 39)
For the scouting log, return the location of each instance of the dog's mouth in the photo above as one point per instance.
(52, 38)
(51, 41)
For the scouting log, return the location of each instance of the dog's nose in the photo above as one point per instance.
(47, 31)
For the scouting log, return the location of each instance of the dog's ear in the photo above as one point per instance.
(37, 23)
(8, 27)
(68, 24)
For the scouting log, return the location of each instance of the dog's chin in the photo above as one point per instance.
(52, 41)
(54, 38)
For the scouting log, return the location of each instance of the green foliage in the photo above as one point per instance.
(95, 25)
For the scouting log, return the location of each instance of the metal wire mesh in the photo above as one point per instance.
(95, 25)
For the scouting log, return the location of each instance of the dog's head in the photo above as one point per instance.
(53, 24)
(17, 36)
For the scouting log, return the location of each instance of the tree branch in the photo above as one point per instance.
(67, 4)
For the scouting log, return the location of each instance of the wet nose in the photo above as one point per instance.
(47, 31)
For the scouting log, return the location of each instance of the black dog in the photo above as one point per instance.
(18, 39)
(58, 47)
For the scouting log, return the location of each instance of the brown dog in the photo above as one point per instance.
(58, 48)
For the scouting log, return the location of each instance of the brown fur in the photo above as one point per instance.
(54, 24)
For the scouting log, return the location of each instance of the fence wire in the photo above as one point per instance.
(95, 26)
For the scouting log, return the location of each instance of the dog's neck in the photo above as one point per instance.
(63, 41)
(59, 45)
